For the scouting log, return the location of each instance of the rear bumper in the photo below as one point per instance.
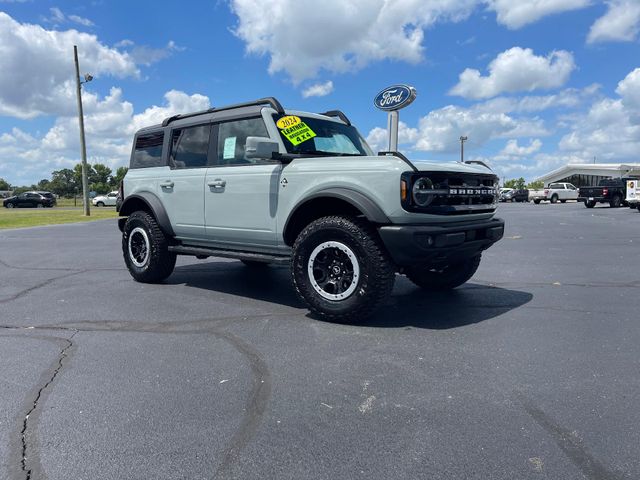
(411, 245)
(593, 199)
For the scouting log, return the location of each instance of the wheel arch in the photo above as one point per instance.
(330, 201)
(147, 202)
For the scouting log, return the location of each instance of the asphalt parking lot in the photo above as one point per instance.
(531, 370)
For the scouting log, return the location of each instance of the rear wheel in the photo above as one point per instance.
(616, 201)
(39, 205)
(537, 202)
(554, 198)
(589, 204)
(444, 278)
(145, 249)
(341, 269)
(563, 201)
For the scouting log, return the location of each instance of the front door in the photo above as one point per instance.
(181, 189)
(241, 195)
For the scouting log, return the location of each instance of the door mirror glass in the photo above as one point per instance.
(260, 147)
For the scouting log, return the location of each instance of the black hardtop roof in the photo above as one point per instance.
(267, 101)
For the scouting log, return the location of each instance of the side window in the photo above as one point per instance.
(189, 147)
(148, 151)
(232, 137)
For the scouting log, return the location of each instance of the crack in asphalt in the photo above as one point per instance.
(570, 444)
(257, 399)
(40, 285)
(25, 424)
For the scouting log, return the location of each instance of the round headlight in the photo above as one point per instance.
(423, 191)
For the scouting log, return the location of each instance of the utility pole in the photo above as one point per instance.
(462, 140)
(83, 148)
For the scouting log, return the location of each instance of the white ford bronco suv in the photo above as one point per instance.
(262, 184)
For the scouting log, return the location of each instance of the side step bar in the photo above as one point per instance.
(203, 252)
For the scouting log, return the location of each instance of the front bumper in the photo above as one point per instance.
(411, 245)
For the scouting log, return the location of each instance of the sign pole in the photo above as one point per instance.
(393, 121)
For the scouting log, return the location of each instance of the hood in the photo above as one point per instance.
(426, 165)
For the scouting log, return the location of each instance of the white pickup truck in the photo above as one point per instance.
(633, 194)
(554, 192)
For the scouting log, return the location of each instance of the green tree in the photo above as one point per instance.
(43, 184)
(120, 173)
(63, 182)
(4, 185)
(19, 190)
(536, 185)
(91, 175)
(102, 173)
(517, 183)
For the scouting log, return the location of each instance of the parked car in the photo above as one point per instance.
(263, 184)
(31, 199)
(555, 192)
(633, 193)
(108, 200)
(512, 195)
(610, 190)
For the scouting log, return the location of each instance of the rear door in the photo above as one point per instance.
(241, 194)
(181, 189)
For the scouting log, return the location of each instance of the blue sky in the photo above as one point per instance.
(534, 85)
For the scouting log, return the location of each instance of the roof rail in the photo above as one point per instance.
(262, 101)
(337, 113)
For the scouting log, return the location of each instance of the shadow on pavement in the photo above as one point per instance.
(408, 306)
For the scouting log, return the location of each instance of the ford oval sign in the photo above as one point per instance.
(395, 97)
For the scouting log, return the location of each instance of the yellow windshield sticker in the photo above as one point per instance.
(289, 121)
(298, 133)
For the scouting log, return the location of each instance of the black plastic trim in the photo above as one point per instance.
(338, 114)
(155, 206)
(202, 252)
(400, 156)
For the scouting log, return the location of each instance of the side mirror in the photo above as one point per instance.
(260, 147)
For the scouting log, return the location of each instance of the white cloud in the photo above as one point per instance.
(110, 123)
(378, 138)
(146, 55)
(621, 23)
(518, 13)
(37, 65)
(343, 36)
(81, 20)
(629, 89)
(318, 89)
(516, 70)
(58, 18)
(513, 149)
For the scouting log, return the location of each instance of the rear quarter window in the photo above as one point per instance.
(148, 151)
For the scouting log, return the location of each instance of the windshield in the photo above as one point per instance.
(315, 136)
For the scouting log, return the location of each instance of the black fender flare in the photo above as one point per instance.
(368, 207)
(153, 204)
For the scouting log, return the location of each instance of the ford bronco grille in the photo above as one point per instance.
(449, 193)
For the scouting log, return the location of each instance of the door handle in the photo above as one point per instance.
(217, 183)
(167, 184)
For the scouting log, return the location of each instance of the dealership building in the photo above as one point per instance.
(589, 174)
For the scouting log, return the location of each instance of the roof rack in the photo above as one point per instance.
(262, 101)
(337, 113)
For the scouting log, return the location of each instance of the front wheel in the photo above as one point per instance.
(444, 278)
(537, 202)
(145, 249)
(340, 268)
(100, 204)
(9, 205)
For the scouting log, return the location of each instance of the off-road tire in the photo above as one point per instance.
(554, 198)
(537, 202)
(445, 278)
(589, 204)
(615, 202)
(376, 269)
(159, 263)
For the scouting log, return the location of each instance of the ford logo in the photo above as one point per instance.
(395, 97)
